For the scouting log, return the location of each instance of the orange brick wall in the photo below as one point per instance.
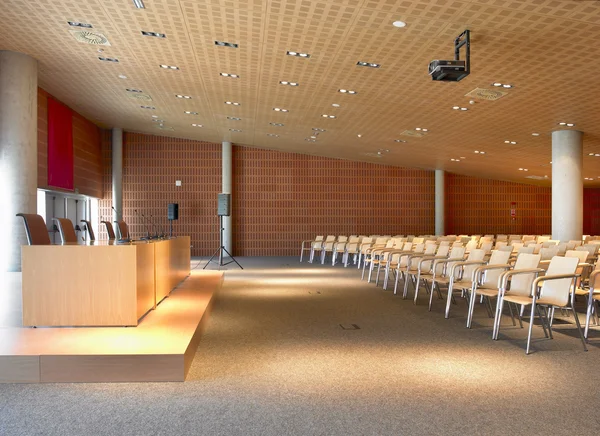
(283, 198)
(87, 165)
(279, 198)
(480, 206)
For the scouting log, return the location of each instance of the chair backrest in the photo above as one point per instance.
(474, 255)
(430, 249)
(576, 243)
(592, 249)
(445, 243)
(497, 258)
(520, 284)
(330, 238)
(90, 230)
(342, 239)
(109, 230)
(124, 230)
(443, 250)
(382, 240)
(508, 248)
(557, 292)
(516, 246)
(501, 244)
(548, 253)
(487, 246)
(471, 245)
(581, 255)
(455, 253)
(562, 247)
(319, 239)
(528, 249)
(501, 238)
(418, 248)
(528, 238)
(542, 239)
(418, 240)
(457, 244)
(66, 230)
(35, 229)
(407, 246)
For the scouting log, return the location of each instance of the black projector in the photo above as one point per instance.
(448, 71)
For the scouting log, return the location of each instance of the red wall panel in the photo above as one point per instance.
(60, 145)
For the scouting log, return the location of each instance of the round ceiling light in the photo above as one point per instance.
(399, 23)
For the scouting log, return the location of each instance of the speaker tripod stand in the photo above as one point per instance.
(221, 249)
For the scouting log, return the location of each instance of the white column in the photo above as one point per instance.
(18, 152)
(439, 202)
(567, 185)
(227, 176)
(117, 173)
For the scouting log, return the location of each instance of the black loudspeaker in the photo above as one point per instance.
(173, 211)
(223, 206)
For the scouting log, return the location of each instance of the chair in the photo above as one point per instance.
(461, 276)
(35, 229)
(123, 229)
(338, 247)
(412, 266)
(66, 230)
(524, 272)
(351, 247)
(89, 229)
(442, 277)
(485, 281)
(307, 245)
(551, 290)
(593, 297)
(109, 230)
(328, 247)
(425, 268)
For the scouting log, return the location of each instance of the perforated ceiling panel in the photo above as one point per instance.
(546, 49)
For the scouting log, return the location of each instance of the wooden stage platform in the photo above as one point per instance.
(161, 348)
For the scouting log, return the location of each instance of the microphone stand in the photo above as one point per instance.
(147, 226)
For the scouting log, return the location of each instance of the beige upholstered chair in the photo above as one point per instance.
(351, 248)
(35, 229)
(307, 245)
(425, 268)
(339, 247)
(442, 276)
(412, 267)
(66, 230)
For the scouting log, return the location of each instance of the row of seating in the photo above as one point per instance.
(37, 232)
(536, 272)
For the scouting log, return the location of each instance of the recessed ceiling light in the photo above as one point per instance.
(421, 129)
(226, 44)
(346, 91)
(455, 160)
(313, 137)
(523, 169)
(359, 135)
(196, 125)
(335, 105)
(310, 140)
(122, 76)
(596, 154)
(399, 140)
(156, 120)
(154, 116)
(284, 82)
(505, 85)
(368, 64)
(139, 4)
(79, 24)
(399, 23)
(316, 129)
(328, 116)
(183, 96)
(235, 103)
(460, 108)
(108, 59)
(273, 135)
(234, 119)
(502, 85)
(133, 90)
(535, 134)
(233, 76)
(148, 107)
(155, 34)
(278, 109)
(298, 54)
(277, 124)
(168, 67)
(190, 113)
(234, 130)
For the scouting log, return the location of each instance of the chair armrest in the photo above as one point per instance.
(445, 261)
(462, 264)
(537, 281)
(503, 279)
(479, 271)
(428, 258)
(593, 276)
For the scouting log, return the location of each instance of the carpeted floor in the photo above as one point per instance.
(274, 360)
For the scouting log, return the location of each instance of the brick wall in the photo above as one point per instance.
(480, 206)
(87, 166)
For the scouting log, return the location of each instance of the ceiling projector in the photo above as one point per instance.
(457, 69)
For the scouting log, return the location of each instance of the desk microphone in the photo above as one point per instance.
(142, 215)
(147, 226)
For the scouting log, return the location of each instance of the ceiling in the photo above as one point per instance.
(547, 49)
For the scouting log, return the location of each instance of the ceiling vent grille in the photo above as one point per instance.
(536, 177)
(413, 133)
(486, 94)
(139, 96)
(88, 37)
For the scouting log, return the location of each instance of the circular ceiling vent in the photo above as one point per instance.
(88, 37)
(486, 94)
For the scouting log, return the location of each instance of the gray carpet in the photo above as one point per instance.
(274, 360)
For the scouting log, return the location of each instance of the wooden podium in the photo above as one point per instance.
(103, 284)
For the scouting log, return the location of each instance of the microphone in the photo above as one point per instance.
(142, 215)
(154, 226)
(147, 226)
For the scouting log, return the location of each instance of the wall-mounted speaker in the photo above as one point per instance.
(173, 211)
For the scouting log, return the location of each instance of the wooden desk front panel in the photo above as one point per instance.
(79, 285)
(172, 264)
(180, 259)
(162, 268)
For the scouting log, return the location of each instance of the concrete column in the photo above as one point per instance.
(440, 225)
(567, 185)
(227, 177)
(117, 173)
(18, 152)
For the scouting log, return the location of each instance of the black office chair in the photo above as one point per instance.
(90, 231)
(35, 228)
